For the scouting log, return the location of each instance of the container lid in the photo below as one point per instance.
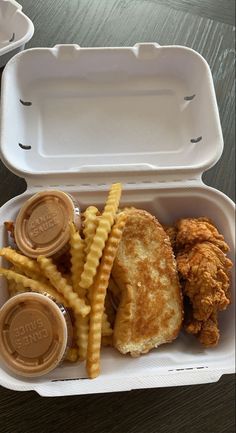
(42, 223)
(95, 111)
(33, 334)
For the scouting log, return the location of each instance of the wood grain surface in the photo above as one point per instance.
(208, 27)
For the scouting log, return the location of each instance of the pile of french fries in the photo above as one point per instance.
(83, 291)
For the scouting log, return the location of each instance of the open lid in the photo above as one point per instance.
(79, 110)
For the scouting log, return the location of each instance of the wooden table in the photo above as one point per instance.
(206, 26)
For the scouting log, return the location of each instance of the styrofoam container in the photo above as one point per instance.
(146, 116)
(16, 29)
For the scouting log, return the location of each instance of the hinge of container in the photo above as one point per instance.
(102, 180)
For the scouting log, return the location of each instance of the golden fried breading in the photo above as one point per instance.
(204, 275)
(194, 230)
(207, 332)
(205, 271)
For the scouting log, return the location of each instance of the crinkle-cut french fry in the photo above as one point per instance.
(23, 265)
(29, 266)
(98, 294)
(20, 288)
(77, 259)
(11, 287)
(68, 278)
(107, 340)
(104, 227)
(82, 329)
(77, 250)
(61, 285)
(72, 354)
(50, 290)
(106, 327)
(18, 270)
(29, 283)
(90, 226)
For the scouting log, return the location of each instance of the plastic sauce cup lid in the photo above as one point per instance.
(41, 226)
(33, 334)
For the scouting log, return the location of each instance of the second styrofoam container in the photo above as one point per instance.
(16, 29)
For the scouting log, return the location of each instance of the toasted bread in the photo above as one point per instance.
(150, 311)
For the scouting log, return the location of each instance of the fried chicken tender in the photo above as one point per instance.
(209, 334)
(204, 274)
(194, 230)
(207, 331)
(205, 270)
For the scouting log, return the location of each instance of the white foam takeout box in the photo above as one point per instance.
(79, 119)
(16, 29)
